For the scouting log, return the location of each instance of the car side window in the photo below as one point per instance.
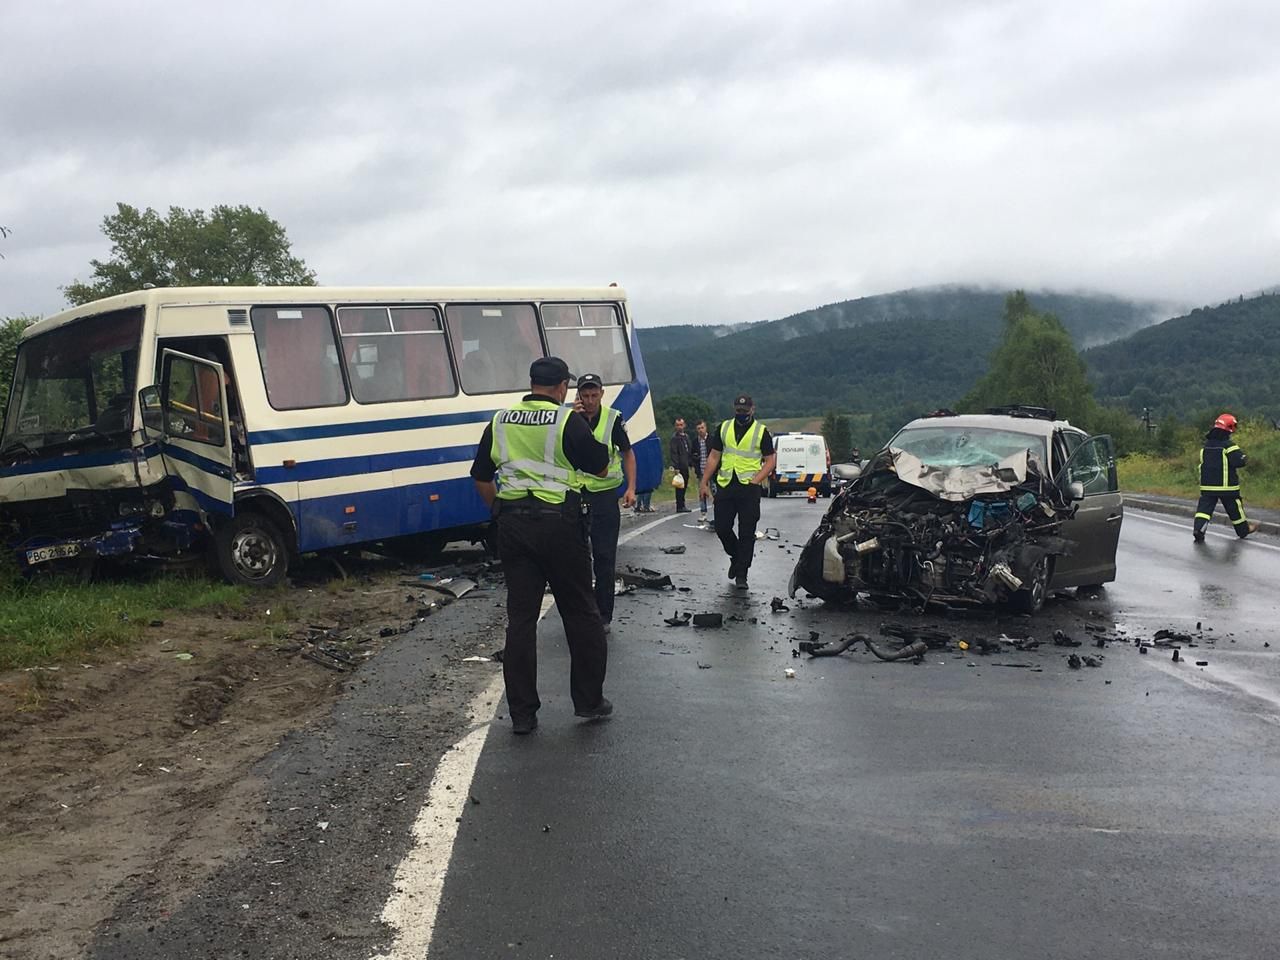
(1090, 466)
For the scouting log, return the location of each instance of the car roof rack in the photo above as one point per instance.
(1024, 410)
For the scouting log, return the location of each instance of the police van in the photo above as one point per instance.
(255, 424)
(803, 462)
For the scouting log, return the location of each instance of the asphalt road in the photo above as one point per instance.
(966, 807)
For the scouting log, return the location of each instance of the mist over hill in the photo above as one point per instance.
(906, 351)
(1213, 358)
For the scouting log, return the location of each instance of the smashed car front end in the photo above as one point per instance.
(925, 534)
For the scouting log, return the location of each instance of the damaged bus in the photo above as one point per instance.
(254, 424)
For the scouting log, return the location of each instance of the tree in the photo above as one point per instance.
(11, 329)
(838, 434)
(1036, 363)
(226, 246)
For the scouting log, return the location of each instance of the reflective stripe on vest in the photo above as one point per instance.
(604, 433)
(743, 458)
(1224, 486)
(528, 450)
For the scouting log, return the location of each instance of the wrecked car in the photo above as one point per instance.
(1006, 506)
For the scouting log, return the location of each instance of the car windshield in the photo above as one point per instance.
(952, 445)
(74, 383)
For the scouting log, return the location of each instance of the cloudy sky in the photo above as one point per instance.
(723, 161)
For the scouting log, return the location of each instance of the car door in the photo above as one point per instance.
(196, 439)
(1095, 528)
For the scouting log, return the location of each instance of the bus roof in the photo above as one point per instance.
(290, 295)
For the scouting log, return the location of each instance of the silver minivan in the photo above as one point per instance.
(1073, 456)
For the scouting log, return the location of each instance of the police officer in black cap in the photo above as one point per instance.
(528, 468)
(741, 459)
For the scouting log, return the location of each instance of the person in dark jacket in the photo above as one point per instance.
(1220, 461)
(700, 450)
(681, 451)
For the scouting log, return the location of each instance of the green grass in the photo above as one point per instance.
(55, 620)
(1177, 475)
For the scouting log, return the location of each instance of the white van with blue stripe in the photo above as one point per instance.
(261, 423)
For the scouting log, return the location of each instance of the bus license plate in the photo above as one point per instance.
(56, 552)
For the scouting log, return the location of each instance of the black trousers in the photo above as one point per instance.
(680, 491)
(740, 502)
(537, 550)
(606, 519)
(1231, 503)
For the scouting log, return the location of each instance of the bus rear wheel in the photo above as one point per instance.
(250, 551)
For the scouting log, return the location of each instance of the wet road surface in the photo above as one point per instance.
(969, 806)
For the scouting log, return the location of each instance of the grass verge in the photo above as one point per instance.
(54, 620)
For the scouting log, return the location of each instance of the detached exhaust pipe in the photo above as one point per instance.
(912, 651)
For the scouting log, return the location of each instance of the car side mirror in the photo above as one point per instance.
(846, 471)
(152, 413)
(1075, 490)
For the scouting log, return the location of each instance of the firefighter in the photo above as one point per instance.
(538, 451)
(1220, 460)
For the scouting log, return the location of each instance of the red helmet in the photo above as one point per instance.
(1226, 422)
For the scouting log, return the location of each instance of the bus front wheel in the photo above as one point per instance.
(250, 551)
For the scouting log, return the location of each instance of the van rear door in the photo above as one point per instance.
(792, 457)
(196, 442)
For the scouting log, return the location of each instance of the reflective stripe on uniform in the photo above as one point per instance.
(603, 432)
(548, 479)
(1223, 487)
(741, 458)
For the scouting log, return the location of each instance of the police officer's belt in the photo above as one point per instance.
(533, 507)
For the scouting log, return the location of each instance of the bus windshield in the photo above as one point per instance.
(74, 383)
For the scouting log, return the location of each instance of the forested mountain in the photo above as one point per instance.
(1225, 357)
(887, 355)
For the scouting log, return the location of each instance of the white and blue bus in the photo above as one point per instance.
(262, 423)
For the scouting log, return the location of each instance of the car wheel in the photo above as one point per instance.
(250, 551)
(1032, 598)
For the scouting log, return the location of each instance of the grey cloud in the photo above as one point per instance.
(724, 162)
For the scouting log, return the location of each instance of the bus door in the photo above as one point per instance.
(196, 439)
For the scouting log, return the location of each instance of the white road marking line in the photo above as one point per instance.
(647, 527)
(414, 903)
(1134, 512)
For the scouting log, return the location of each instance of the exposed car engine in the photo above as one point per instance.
(928, 534)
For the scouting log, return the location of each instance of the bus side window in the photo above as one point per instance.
(494, 344)
(396, 353)
(299, 357)
(589, 337)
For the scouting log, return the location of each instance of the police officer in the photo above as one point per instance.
(601, 493)
(538, 451)
(741, 459)
(1220, 460)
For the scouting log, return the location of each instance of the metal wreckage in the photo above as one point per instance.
(920, 533)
